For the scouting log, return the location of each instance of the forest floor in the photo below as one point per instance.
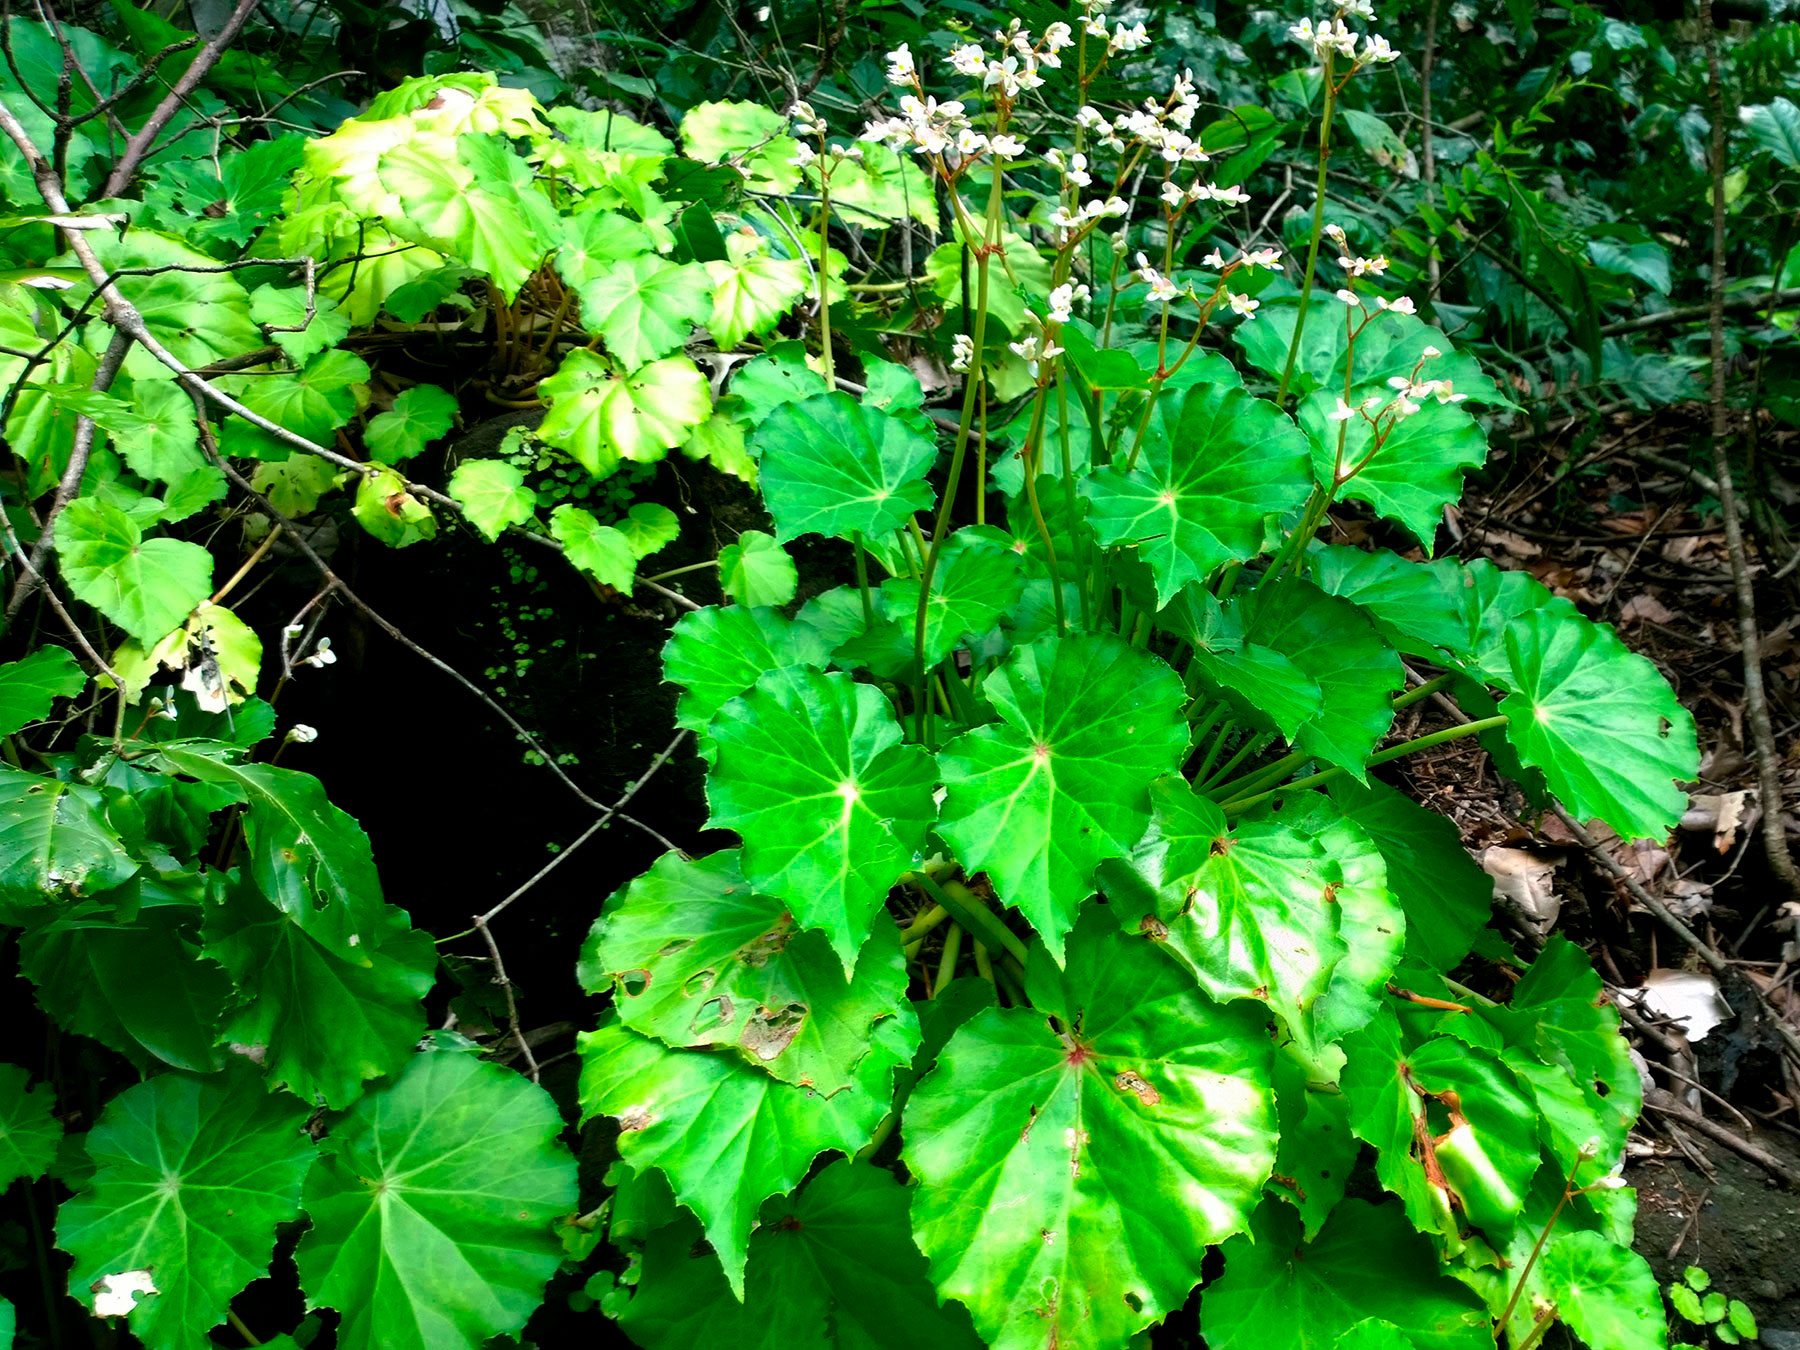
(1618, 523)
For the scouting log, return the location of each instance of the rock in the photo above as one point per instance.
(1780, 1338)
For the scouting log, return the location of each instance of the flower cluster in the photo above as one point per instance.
(807, 124)
(1334, 38)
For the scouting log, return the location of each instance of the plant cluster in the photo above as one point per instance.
(1070, 953)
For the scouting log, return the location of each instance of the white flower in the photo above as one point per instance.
(1243, 304)
(322, 654)
(1263, 257)
(1613, 1180)
(1343, 412)
(1128, 39)
(802, 111)
(1086, 116)
(962, 351)
(1358, 9)
(301, 734)
(803, 155)
(1057, 36)
(1007, 147)
(969, 60)
(1376, 49)
(1403, 407)
(1077, 174)
(1094, 27)
(900, 66)
(1063, 300)
(293, 630)
(1349, 298)
(1302, 32)
(1172, 194)
(1336, 234)
(970, 143)
(762, 14)
(1228, 196)
(1430, 353)
(1404, 305)
(1214, 260)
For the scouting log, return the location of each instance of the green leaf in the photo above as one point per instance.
(29, 686)
(646, 307)
(1375, 1333)
(740, 976)
(478, 219)
(191, 1177)
(831, 806)
(1445, 896)
(599, 550)
(386, 509)
(1491, 1153)
(312, 402)
(493, 495)
(719, 440)
(295, 484)
(780, 375)
(1417, 471)
(155, 432)
(200, 315)
(1261, 686)
(417, 1238)
(30, 1133)
(146, 586)
(978, 578)
(1696, 1278)
(1743, 1321)
(1601, 723)
(648, 528)
(834, 467)
(1063, 783)
(1071, 1181)
(751, 293)
(833, 1265)
(1317, 1152)
(1686, 1302)
(1605, 1293)
(307, 856)
(322, 1023)
(1249, 912)
(601, 418)
(716, 653)
(1278, 1293)
(55, 842)
(728, 1136)
(1775, 127)
(757, 571)
(140, 987)
(747, 135)
(1357, 673)
(419, 416)
(282, 310)
(1202, 490)
(1713, 1306)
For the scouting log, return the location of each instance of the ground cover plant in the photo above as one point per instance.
(1057, 968)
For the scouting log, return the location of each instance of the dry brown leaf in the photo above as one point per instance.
(1527, 880)
(1646, 606)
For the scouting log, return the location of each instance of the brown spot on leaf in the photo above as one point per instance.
(634, 1118)
(759, 951)
(1222, 845)
(1127, 1081)
(770, 1031)
(633, 983)
(1153, 928)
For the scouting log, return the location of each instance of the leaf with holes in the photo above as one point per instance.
(601, 418)
(417, 1239)
(1600, 722)
(739, 975)
(831, 806)
(191, 1177)
(759, 1135)
(1071, 1182)
(1063, 782)
(1203, 488)
(831, 466)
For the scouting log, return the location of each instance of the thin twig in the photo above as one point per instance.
(1668, 1104)
(512, 1007)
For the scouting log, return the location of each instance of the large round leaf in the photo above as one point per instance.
(601, 418)
(716, 653)
(696, 958)
(1250, 912)
(646, 307)
(323, 1024)
(832, 466)
(1200, 492)
(1063, 782)
(1416, 472)
(1357, 673)
(1071, 1181)
(1600, 722)
(191, 1176)
(55, 843)
(1605, 1293)
(832, 808)
(833, 1265)
(1278, 1293)
(726, 1135)
(146, 586)
(432, 1205)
